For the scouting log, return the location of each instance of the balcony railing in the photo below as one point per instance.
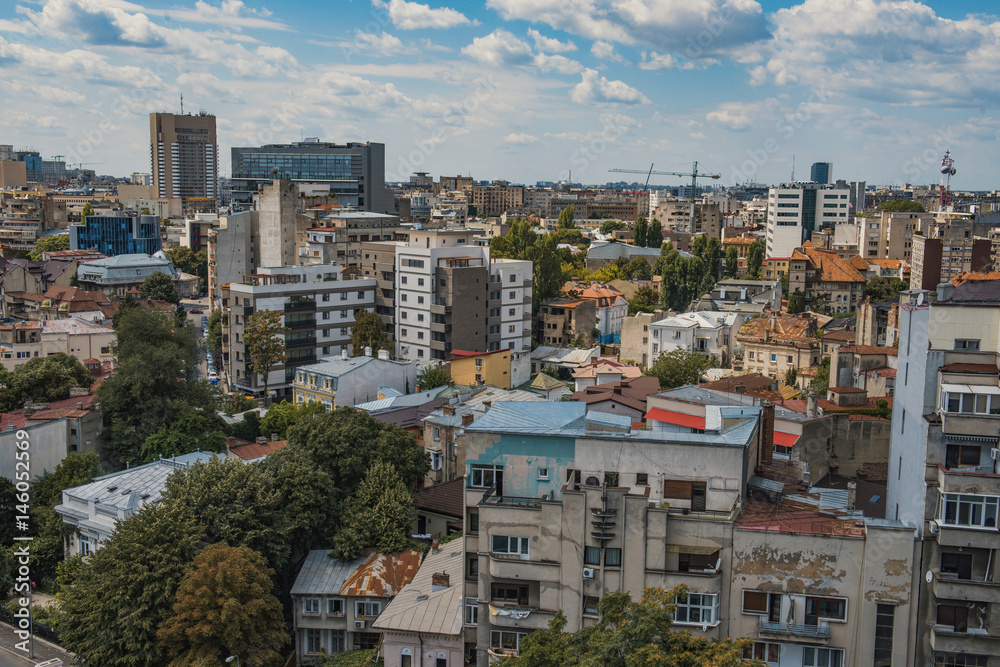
(820, 631)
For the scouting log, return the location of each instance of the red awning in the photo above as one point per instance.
(785, 439)
(678, 418)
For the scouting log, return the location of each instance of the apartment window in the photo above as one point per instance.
(402, 297)
(942, 659)
(338, 641)
(443, 283)
(402, 332)
(822, 657)
(344, 331)
(972, 403)
(750, 354)
(825, 608)
(684, 490)
(473, 567)
(766, 652)
(613, 557)
(420, 282)
(436, 460)
(774, 357)
(367, 609)
(310, 606)
(402, 280)
(471, 611)
(959, 565)
(506, 639)
(436, 433)
(590, 603)
(420, 335)
(314, 643)
(884, 621)
(962, 455)
(789, 360)
(343, 296)
(512, 312)
(335, 607)
(759, 602)
(642, 479)
(969, 511)
(592, 555)
(473, 522)
(326, 297)
(543, 473)
(966, 344)
(343, 314)
(416, 263)
(510, 544)
(516, 594)
(485, 476)
(420, 299)
(697, 608)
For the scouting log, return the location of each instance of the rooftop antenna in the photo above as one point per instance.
(793, 169)
(182, 104)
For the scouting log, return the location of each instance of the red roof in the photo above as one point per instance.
(252, 451)
(56, 410)
(970, 368)
(678, 418)
(785, 439)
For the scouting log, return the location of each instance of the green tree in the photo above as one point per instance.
(791, 376)
(902, 206)
(192, 431)
(378, 517)
(567, 217)
(264, 339)
(355, 658)
(224, 606)
(645, 300)
(214, 324)
(654, 236)
(611, 226)
(160, 287)
(683, 279)
(369, 331)
(637, 269)
(431, 376)
(640, 232)
(154, 379)
(42, 379)
(195, 263)
(680, 367)
(882, 288)
(732, 262)
(796, 302)
(280, 416)
(783, 277)
(755, 258)
(88, 210)
(110, 612)
(629, 634)
(247, 428)
(49, 244)
(821, 379)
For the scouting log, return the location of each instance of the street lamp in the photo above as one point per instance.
(233, 657)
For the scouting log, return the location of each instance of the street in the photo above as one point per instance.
(11, 657)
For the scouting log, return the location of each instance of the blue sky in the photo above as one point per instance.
(526, 90)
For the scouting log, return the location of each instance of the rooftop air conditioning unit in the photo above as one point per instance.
(359, 625)
(588, 573)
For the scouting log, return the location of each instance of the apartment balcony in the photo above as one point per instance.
(498, 654)
(975, 640)
(438, 309)
(801, 631)
(950, 587)
(440, 328)
(537, 619)
(300, 306)
(503, 567)
(296, 325)
(707, 580)
(292, 342)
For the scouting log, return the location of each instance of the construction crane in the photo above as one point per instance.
(694, 174)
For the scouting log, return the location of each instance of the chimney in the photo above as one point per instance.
(79, 405)
(467, 419)
(811, 404)
(343, 353)
(29, 409)
(261, 440)
(440, 579)
(945, 291)
(488, 404)
(448, 409)
(10, 426)
(274, 437)
(852, 495)
(766, 432)
(383, 355)
(368, 350)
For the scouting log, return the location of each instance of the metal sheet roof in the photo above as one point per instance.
(421, 608)
(321, 574)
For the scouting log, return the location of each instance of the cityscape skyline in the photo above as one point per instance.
(522, 89)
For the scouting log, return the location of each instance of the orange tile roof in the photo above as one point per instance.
(972, 276)
(739, 240)
(790, 516)
(870, 349)
(859, 263)
(886, 263)
(382, 575)
(829, 266)
(251, 451)
(785, 329)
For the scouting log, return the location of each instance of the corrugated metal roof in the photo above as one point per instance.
(420, 608)
(564, 355)
(382, 575)
(321, 574)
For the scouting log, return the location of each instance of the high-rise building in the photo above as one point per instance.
(796, 210)
(121, 234)
(354, 173)
(184, 155)
(821, 172)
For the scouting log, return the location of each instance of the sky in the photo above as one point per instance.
(523, 90)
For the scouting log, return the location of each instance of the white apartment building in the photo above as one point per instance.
(707, 332)
(796, 210)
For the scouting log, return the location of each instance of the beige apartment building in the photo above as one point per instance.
(773, 344)
(184, 155)
(497, 198)
(75, 336)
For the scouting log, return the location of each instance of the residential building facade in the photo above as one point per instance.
(771, 345)
(796, 210)
(706, 332)
(347, 381)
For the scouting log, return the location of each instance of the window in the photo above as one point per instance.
(511, 312)
(366, 640)
(970, 511)
(326, 297)
(343, 314)
(343, 296)
(962, 455)
(513, 295)
(335, 607)
(437, 460)
(367, 609)
(590, 604)
(774, 357)
(473, 567)
(85, 549)
(402, 280)
(822, 657)
(420, 282)
(884, 620)
(314, 643)
(513, 545)
(485, 476)
(592, 555)
(511, 329)
(766, 652)
(942, 659)
(417, 263)
(344, 331)
(613, 557)
(338, 641)
(420, 299)
(825, 608)
(959, 565)
(471, 611)
(506, 639)
(698, 608)
(514, 594)
(310, 606)
(436, 432)
(405, 659)
(755, 602)
(966, 344)
(543, 473)
(642, 479)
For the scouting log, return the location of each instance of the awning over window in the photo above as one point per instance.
(785, 439)
(678, 418)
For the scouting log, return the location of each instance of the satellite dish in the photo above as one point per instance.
(929, 577)
(920, 299)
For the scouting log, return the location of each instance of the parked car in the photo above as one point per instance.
(196, 311)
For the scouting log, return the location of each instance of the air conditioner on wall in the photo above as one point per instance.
(359, 625)
(588, 573)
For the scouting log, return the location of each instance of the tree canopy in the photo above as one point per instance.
(612, 226)
(49, 244)
(368, 330)
(629, 634)
(654, 235)
(264, 340)
(378, 517)
(567, 217)
(679, 367)
(193, 430)
(437, 375)
(902, 206)
(224, 606)
(280, 416)
(195, 263)
(160, 287)
(42, 379)
(755, 258)
(796, 302)
(732, 262)
(883, 288)
(645, 300)
(640, 232)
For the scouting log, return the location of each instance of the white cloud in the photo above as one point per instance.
(734, 115)
(704, 27)
(499, 48)
(596, 89)
(654, 61)
(606, 51)
(550, 44)
(560, 64)
(520, 138)
(415, 16)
